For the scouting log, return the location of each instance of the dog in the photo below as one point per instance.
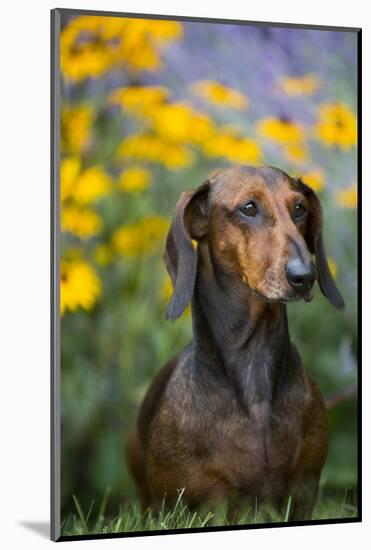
(235, 414)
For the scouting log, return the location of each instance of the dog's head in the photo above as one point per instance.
(259, 224)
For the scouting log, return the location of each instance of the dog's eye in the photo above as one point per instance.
(299, 211)
(249, 209)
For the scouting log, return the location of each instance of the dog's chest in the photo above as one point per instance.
(251, 450)
(211, 432)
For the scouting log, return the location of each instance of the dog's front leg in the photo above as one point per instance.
(302, 498)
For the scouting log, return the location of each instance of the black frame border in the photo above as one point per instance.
(55, 335)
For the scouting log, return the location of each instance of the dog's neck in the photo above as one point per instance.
(240, 334)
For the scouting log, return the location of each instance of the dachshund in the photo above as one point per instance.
(235, 414)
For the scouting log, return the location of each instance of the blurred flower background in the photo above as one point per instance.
(149, 109)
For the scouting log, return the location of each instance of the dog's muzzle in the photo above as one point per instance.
(300, 276)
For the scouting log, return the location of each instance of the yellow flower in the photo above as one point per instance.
(180, 123)
(315, 179)
(86, 60)
(144, 58)
(92, 45)
(173, 122)
(76, 123)
(135, 179)
(228, 144)
(85, 51)
(218, 94)
(347, 197)
(103, 255)
(244, 150)
(109, 28)
(337, 126)
(84, 186)
(143, 37)
(296, 152)
(140, 100)
(146, 147)
(333, 267)
(70, 169)
(141, 237)
(302, 85)
(162, 31)
(80, 286)
(142, 40)
(91, 185)
(80, 221)
(281, 130)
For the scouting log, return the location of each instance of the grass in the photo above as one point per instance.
(130, 518)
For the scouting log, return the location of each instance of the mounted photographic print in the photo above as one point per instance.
(205, 183)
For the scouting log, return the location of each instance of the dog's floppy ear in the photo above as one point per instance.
(189, 222)
(314, 240)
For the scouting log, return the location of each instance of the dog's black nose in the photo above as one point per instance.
(301, 276)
